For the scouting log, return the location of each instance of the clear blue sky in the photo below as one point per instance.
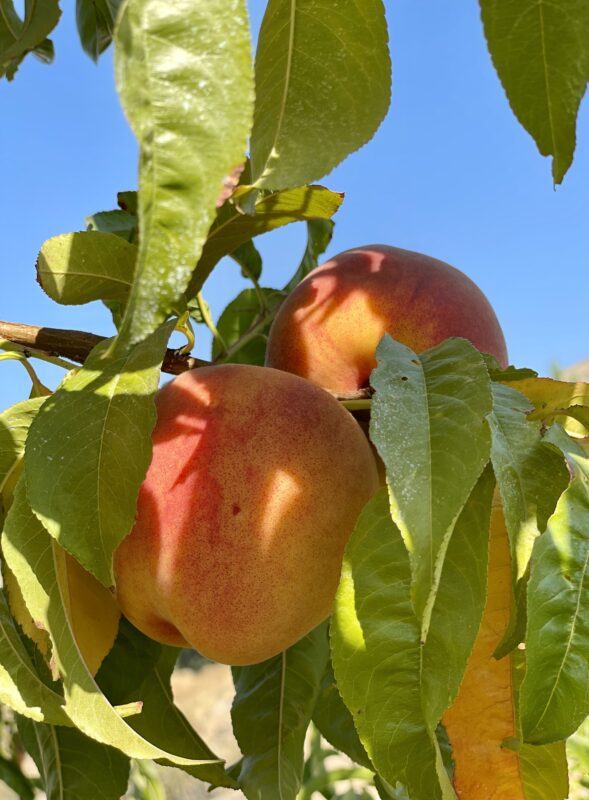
(450, 173)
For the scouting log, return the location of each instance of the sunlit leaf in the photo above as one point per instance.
(323, 82)
(541, 53)
(428, 424)
(184, 75)
(271, 713)
(89, 449)
(567, 403)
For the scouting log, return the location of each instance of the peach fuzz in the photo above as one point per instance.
(328, 329)
(255, 484)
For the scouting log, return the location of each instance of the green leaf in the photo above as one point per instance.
(232, 228)
(21, 36)
(89, 448)
(118, 222)
(12, 776)
(14, 427)
(249, 259)
(21, 686)
(541, 53)
(567, 403)
(184, 76)
(531, 476)
(96, 22)
(375, 642)
(459, 604)
(271, 712)
(323, 83)
(555, 690)
(246, 322)
(335, 722)
(138, 668)
(72, 766)
(76, 268)
(319, 233)
(38, 563)
(428, 424)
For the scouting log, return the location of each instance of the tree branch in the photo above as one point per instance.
(76, 345)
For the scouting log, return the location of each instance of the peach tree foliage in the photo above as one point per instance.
(450, 425)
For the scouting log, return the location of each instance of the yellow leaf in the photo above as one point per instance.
(557, 400)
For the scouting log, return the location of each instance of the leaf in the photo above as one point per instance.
(531, 476)
(232, 228)
(249, 259)
(96, 22)
(375, 643)
(38, 564)
(323, 83)
(245, 322)
(428, 424)
(86, 432)
(59, 754)
(14, 427)
(21, 687)
(319, 233)
(541, 53)
(138, 668)
(184, 76)
(12, 776)
(555, 690)
(557, 400)
(271, 712)
(21, 36)
(335, 723)
(118, 222)
(77, 268)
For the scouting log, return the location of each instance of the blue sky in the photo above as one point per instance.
(450, 173)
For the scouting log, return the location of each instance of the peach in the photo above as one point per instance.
(255, 484)
(328, 329)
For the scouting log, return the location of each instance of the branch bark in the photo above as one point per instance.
(76, 346)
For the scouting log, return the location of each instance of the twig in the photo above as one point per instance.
(76, 345)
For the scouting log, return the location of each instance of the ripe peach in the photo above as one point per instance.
(255, 484)
(328, 329)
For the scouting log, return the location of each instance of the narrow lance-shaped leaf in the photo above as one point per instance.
(184, 75)
(96, 21)
(76, 268)
(541, 53)
(21, 36)
(531, 476)
(272, 710)
(323, 82)
(375, 641)
(232, 228)
(555, 690)
(38, 564)
(59, 754)
(137, 668)
(88, 452)
(428, 424)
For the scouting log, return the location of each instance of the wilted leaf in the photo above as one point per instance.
(271, 713)
(184, 76)
(428, 424)
(138, 668)
(555, 690)
(77, 268)
(21, 36)
(96, 21)
(323, 83)
(72, 766)
(541, 53)
(38, 564)
(232, 228)
(88, 452)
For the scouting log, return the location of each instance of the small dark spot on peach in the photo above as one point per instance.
(236, 509)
